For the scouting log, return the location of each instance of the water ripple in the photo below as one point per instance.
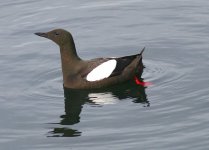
(163, 73)
(45, 85)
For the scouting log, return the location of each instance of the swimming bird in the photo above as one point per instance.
(95, 73)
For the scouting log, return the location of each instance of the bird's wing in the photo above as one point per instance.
(93, 69)
(101, 68)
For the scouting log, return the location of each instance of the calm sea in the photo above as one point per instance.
(172, 114)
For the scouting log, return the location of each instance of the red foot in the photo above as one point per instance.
(138, 82)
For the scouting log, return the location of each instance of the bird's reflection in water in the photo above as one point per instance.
(64, 132)
(75, 99)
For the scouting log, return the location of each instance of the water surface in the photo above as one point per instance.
(171, 114)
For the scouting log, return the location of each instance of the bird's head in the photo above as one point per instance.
(59, 36)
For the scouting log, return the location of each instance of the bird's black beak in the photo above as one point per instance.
(42, 34)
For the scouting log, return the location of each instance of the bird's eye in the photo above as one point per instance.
(56, 33)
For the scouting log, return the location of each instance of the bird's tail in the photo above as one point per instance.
(140, 66)
(142, 51)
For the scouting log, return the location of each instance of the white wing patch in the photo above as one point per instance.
(102, 71)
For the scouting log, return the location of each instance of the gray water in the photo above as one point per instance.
(171, 114)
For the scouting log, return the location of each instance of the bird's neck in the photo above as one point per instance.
(68, 52)
(69, 59)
